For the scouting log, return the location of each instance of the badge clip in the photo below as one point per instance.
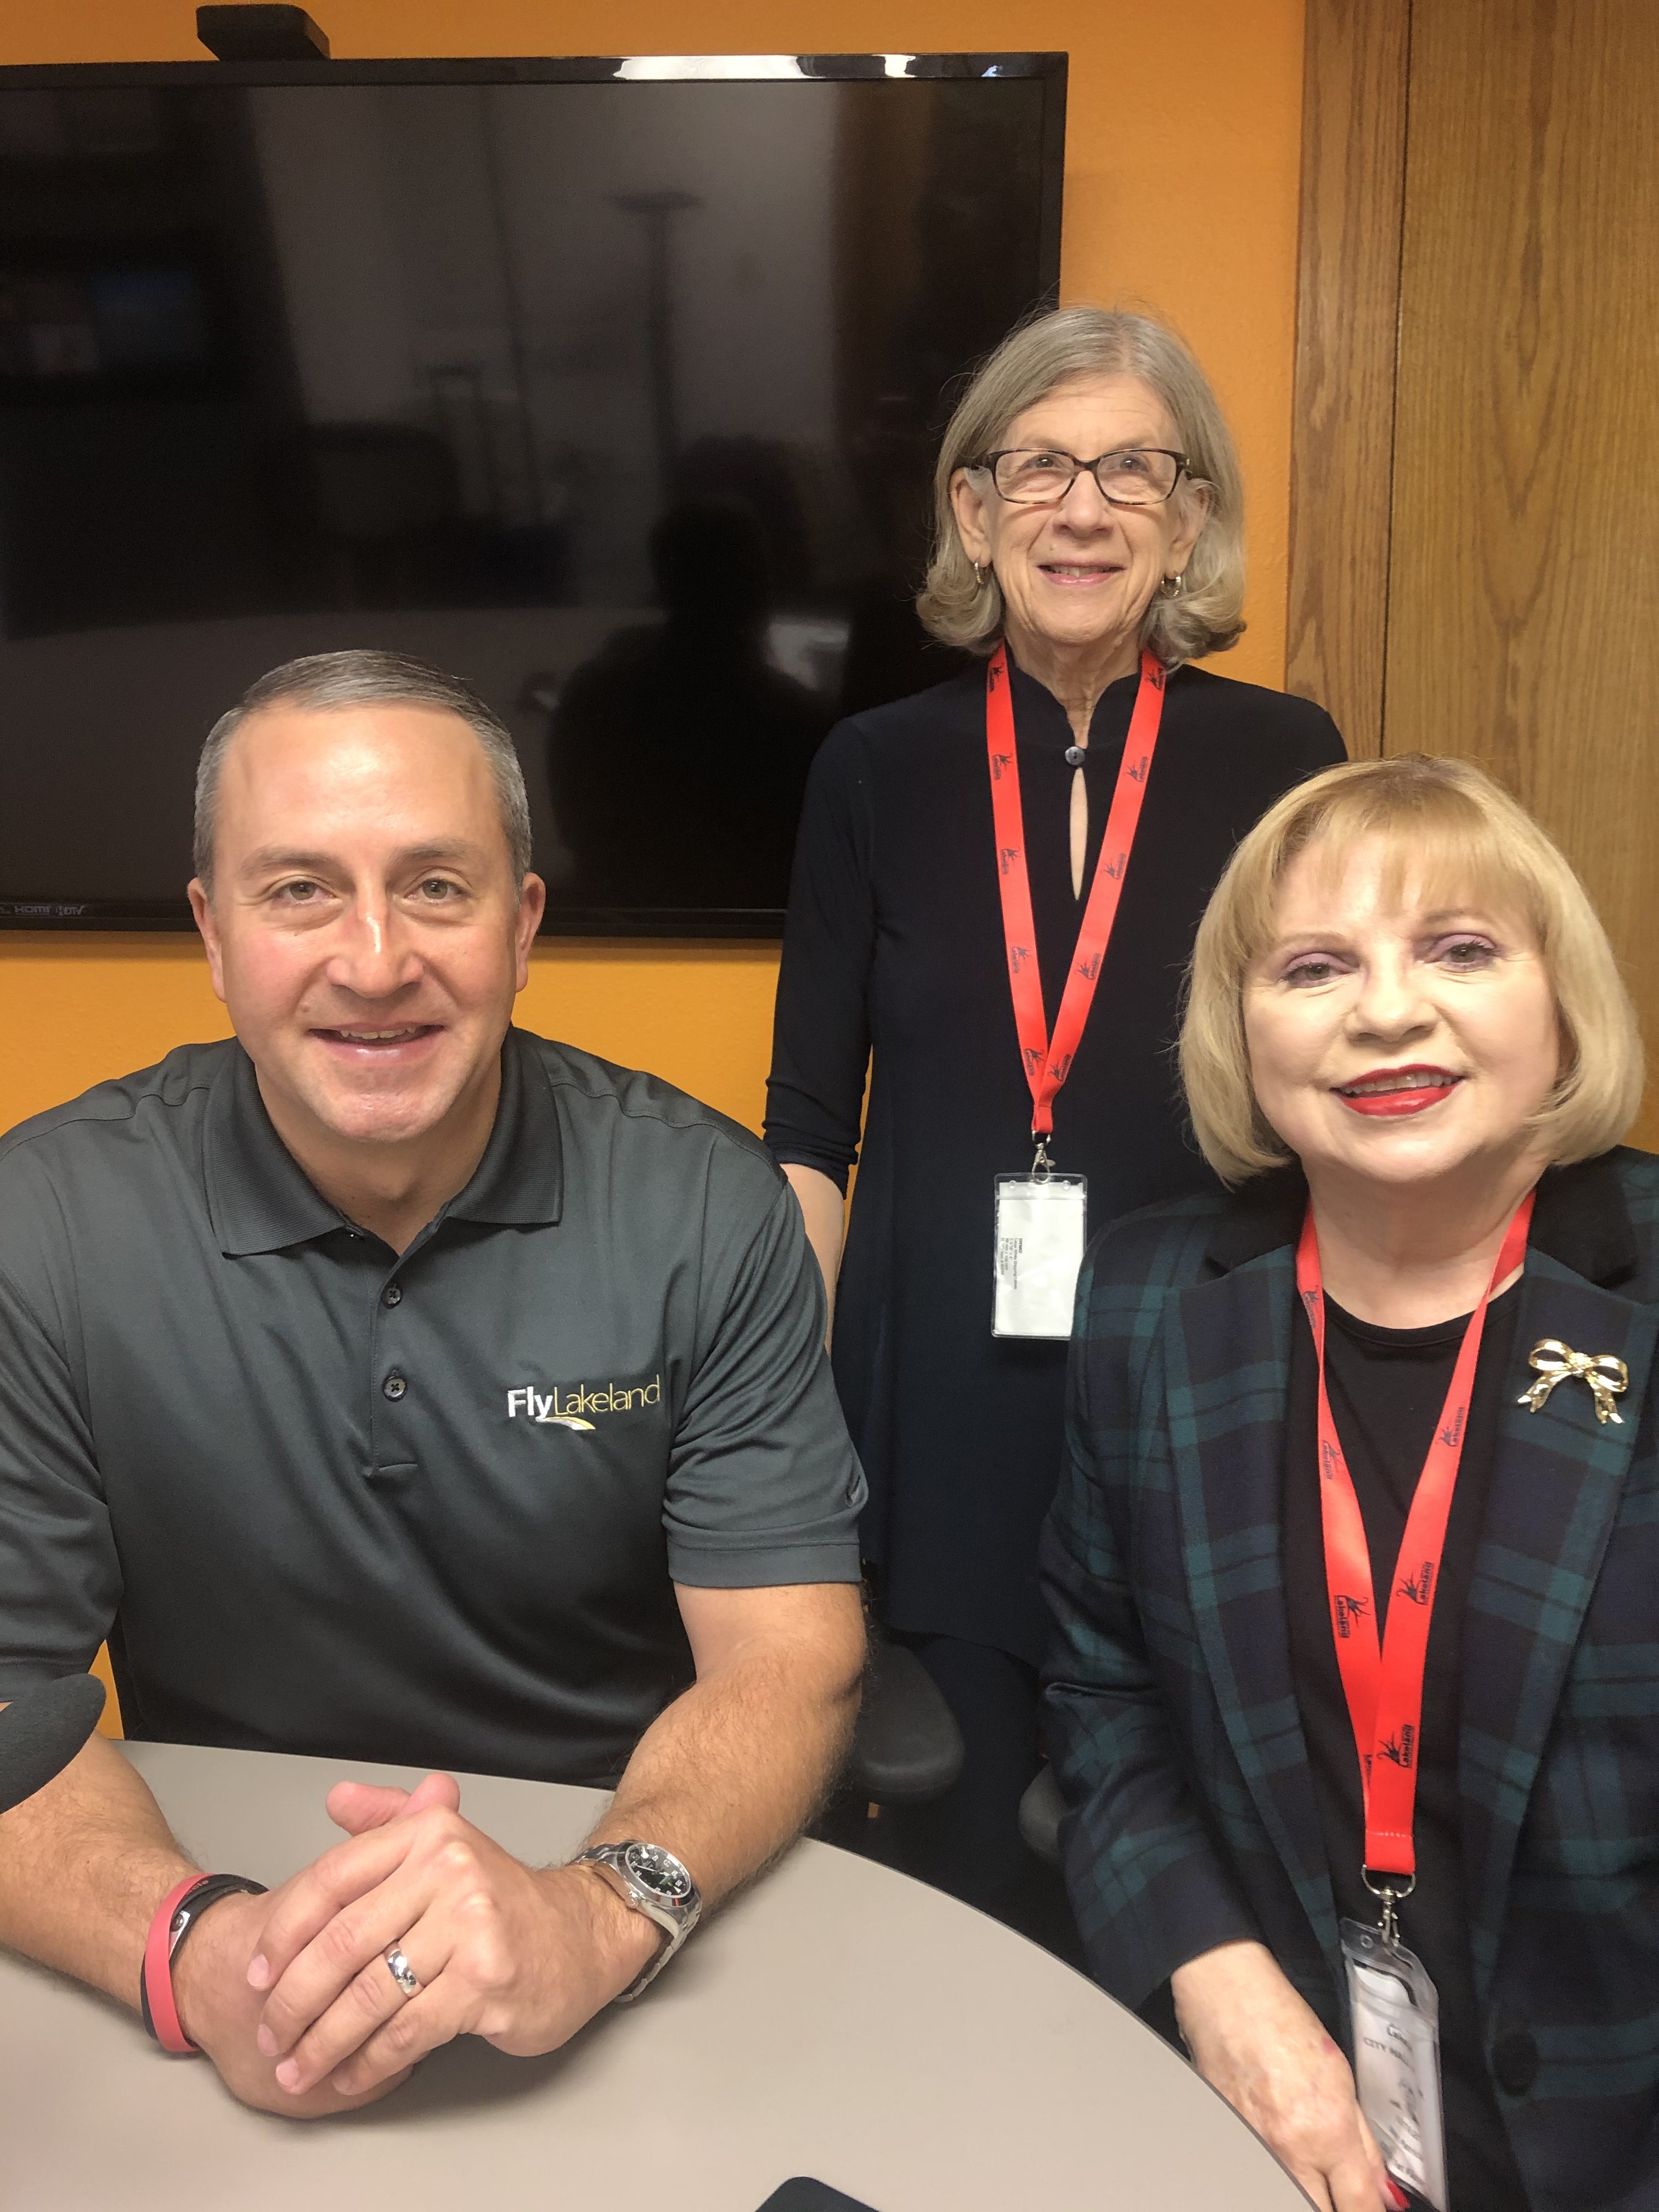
(1392, 1890)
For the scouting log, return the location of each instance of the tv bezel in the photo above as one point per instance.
(726, 924)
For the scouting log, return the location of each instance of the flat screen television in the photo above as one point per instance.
(611, 385)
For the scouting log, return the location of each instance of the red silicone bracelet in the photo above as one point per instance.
(158, 1970)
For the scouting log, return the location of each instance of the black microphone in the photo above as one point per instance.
(41, 1731)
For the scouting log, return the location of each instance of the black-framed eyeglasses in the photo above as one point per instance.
(1040, 476)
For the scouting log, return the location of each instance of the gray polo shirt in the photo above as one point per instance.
(321, 1498)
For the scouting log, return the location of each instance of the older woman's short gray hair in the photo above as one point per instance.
(1037, 359)
(365, 677)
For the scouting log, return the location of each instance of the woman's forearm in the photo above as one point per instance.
(824, 1211)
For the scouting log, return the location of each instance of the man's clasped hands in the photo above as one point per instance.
(290, 1993)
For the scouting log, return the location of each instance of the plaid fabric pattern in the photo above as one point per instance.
(1171, 1709)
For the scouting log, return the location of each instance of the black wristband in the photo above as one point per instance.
(190, 1911)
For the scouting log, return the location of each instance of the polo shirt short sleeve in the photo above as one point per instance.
(320, 1497)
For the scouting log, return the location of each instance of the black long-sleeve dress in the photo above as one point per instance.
(893, 961)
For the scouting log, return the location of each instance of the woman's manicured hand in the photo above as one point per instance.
(1263, 2047)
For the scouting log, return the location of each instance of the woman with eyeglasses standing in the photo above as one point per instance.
(995, 891)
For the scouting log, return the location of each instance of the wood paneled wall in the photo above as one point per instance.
(1353, 174)
(1523, 626)
(1491, 589)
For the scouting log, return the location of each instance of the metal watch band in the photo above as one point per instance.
(676, 1916)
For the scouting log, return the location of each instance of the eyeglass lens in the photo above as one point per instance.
(1034, 477)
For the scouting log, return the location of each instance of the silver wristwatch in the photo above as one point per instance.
(653, 1881)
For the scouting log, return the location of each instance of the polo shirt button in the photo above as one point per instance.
(394, 1385)
(1515, 2062)
(392, 1295)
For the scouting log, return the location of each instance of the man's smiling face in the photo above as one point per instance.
(364, 928)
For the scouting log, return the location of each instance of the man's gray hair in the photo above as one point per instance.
(361, 677)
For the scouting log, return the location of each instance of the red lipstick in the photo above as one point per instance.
(1393, 1092)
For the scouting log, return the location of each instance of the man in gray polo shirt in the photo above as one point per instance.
(391, 1383)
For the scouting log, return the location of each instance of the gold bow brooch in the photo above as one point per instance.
(1608, 1378)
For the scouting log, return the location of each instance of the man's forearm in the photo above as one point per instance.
(83, 1865)
(733, 1770)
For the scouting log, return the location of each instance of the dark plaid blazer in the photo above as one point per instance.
(1171, 1710)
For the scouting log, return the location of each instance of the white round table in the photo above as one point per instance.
(836, 2020)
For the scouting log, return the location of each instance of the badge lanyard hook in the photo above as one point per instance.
(1393, 1889)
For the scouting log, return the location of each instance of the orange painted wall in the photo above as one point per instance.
(1182, 168)
(1182, 177)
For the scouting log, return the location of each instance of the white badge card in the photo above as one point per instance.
(1042, 1223)
(1396, 2058)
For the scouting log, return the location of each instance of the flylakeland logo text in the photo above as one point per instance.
(568, 1409)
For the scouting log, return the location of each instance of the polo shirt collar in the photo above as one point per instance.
(520, 1178)
(1580, 1218)
(260, 1200)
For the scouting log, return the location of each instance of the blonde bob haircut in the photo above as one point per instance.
(1462, 840)
(1037, 359)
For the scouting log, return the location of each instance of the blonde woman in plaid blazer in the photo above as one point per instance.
(1404, 1017)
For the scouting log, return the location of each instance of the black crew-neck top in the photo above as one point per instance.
(895, 966)
(1387, 1388)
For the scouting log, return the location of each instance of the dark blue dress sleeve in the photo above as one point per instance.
(821, 1032)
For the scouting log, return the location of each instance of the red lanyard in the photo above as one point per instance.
(1047, 1065)
(1384, 1684)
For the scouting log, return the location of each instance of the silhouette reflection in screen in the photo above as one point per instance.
(677, 755)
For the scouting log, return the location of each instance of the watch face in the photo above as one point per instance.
(659, 1872)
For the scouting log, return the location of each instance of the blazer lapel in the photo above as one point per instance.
(1555, 1492)
(1227, 1354)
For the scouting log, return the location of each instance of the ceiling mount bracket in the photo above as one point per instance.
(252, 33)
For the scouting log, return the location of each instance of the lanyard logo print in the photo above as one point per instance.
(1047, 1061)
(1383, 1681)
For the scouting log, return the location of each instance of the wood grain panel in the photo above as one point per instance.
(1524, 606)
(1353, 158)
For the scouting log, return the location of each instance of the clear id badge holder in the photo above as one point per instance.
(1396, 2056)
(1042, 1221)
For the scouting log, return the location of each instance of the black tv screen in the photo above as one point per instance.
(613, 387)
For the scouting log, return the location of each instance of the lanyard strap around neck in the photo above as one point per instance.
(1048, 1062)
(1384, 1682)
